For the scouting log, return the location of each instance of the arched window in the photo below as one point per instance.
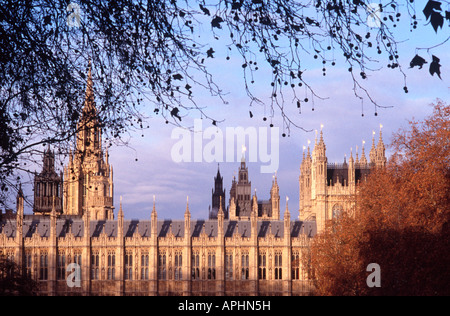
(262, 266)
(337, 211)
(278, 265)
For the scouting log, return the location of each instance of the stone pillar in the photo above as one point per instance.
(53, 252)
(187, 253)
(86, 255)
(153, 254)
(253, 255)
(121, 252)
(286, 257)
(220, 268)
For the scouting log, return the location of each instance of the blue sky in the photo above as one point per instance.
(344, 128)
(155, 173)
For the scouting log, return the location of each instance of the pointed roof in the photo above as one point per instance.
(363, 155)
(319, 147)
(89, 103)
(380, 141)
(287, 214)
(187, 206)
(218, 177)
(244, 149)
(120, 209)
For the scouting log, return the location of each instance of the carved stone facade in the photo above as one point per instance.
(327, 189)
(254, 252)
(48, 184)
(88, 178)
(155, 257)
(241, 203)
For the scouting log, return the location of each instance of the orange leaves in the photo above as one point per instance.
(401, 223)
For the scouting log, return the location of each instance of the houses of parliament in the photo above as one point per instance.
(245, 248)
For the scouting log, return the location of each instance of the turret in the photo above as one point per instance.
(373, 151)
(305, 185)
(154, 219)
(363, 160)
(53, 219)
(381, 151)
(220, 219)
(351, 170)
(88, 180)
(254, 216)
(19, 211)
(287, 220)
(319, 166)
(120, 218)
(275, 199)
(187, 218)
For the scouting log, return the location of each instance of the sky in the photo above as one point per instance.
(146, 167)
(344, 128)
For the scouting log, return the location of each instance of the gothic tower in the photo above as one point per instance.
(327, 190)
(305, 186)
(240, 193)
(380, 160)
(218, 197)
(47, 184)
(319, 179)
(275, 199)
(88, 178)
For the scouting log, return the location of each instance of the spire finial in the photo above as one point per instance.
(286, 212)
(187, 205)
(89, 102)
(120, 208)
(220, 206)
(244, 149)
(154, 205)
(380, 141)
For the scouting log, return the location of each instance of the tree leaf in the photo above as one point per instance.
(435, 67)
(210, 53)
(175, 113)
(216, 22)
(437, 20)
(205, 10)
(236, 5)
(432, 6)
(417, 61)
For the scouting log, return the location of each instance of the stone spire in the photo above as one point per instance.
(381, 150)
(363, 160)
(120, 215)
(89, 105)
(275, 199)
(187, 212)
(373, 150)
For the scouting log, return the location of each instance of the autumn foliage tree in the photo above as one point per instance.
(401, 221)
